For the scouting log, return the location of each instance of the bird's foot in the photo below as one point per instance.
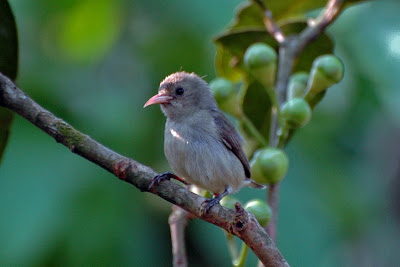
(208, 204)
(159, 178)
(162, 177)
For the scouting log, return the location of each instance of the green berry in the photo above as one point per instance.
(222, 89)
(269, 165)
(259, 55)
(261, 211)
(228, 202)
(325, 72)
(260, 60)
(296, 112)
(298, 85)
(331, 67)
(226, 96)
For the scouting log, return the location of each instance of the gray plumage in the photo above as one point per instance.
(200, 143)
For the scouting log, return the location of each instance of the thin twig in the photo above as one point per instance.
(286, 62)
(273, 201)
(270, 23)
(285, 65)
(239, 222)
(177, 223)
(317, 26)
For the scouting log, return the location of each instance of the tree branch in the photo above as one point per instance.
(317, 26)
(270, 23)
(177, 223)
(273, 201)
(239, 222)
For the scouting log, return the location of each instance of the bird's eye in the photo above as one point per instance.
(179, 91)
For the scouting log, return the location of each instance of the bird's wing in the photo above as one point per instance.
(231, 139)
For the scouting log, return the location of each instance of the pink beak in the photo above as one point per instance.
(158, 99)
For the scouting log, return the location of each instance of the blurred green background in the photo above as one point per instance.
(95, 63)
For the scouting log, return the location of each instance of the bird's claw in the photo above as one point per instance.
(159, 178)
(208, 204)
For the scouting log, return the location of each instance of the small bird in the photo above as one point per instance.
(201, 145)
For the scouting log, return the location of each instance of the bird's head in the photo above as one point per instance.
(182, 94)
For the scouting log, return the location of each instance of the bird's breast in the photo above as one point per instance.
(179, 148)
(199, 156)
(180, 140)
(178, 136)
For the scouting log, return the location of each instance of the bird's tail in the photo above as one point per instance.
(253, 184)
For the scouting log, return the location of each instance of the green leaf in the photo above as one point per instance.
(247, 15)
(285, 9)
(8, 64)
(8, 41)
(257, 107)
(225, 64)
(250, 14)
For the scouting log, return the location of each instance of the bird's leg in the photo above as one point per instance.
(212, 201)
(165, 176)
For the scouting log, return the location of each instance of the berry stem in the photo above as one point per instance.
(253, 130)
(232, 248)
(240, 262)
